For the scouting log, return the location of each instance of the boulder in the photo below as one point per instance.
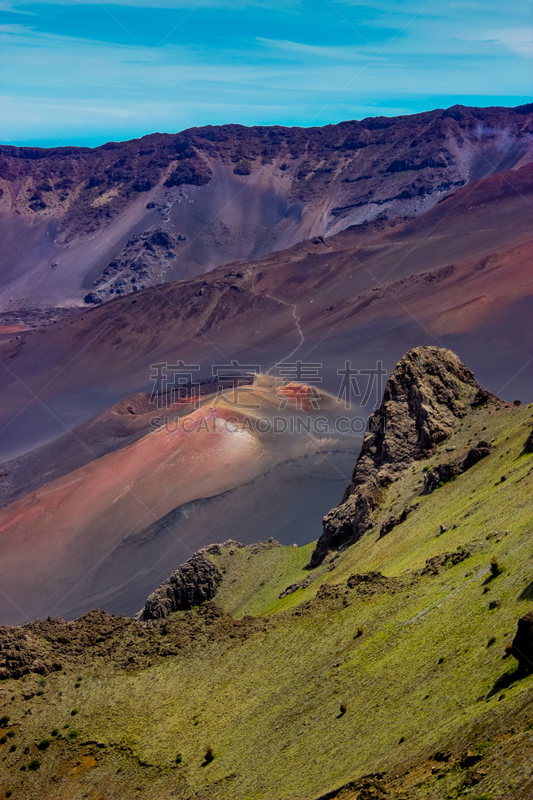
(522, 646)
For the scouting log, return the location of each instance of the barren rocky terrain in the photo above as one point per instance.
(78, 223)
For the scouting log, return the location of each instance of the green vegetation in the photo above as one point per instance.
(44, 744)
(362, 679)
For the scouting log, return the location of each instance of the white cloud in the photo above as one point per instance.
(14, 5)
(61, 84)
(347, 53)
(519, 40)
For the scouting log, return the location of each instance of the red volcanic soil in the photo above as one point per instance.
(12, 328)
(76, 222)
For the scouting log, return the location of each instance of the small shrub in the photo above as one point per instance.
(491, 641)
(495, 568)
(209, 755)
(74, 712)
(10, 734)
(34, 764)
(73, 734)
(343, 709)
(9, 793)
(441, 660)
(4, 721)
(358, 633)
(44, 744)
(179, 758)
(3, 739)
(54, 732)
(12, 748)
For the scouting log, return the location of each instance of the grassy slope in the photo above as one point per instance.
(269, 705)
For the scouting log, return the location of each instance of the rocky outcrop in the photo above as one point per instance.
(51, 645)
(429, 390)
(193, 583)
(437, 564)
(391, 522)
(522, 647)
(445, 472)
(22, 653)
(144, 261)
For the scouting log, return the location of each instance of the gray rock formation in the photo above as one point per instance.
(429, 390)
(193, 583)
(445, 472)
(142, 262)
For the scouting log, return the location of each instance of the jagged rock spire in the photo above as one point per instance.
(429, 389)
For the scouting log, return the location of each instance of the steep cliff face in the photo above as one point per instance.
(429, 390)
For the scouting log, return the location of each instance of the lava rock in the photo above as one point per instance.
(445, 472)
(193, 583)
(429, 390)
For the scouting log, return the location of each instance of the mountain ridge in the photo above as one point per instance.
(231, 193)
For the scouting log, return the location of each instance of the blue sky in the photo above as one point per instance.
(73, 73)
